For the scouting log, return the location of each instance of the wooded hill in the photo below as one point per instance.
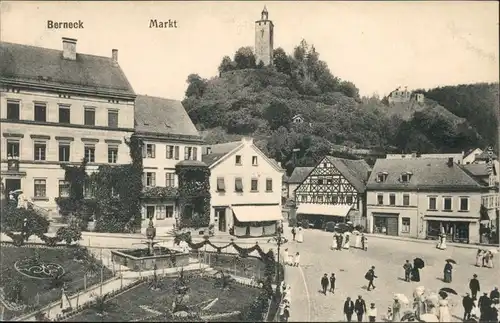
(253, 100)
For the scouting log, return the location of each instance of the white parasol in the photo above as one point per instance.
(493, 251)
(17, 191)
(402, 298)
(428, 317)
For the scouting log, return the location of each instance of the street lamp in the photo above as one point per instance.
(279, 240)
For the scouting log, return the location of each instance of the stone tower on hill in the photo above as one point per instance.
(264, 34)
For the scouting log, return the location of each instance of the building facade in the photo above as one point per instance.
(264, 39)
(457, 157)
(421, 198)
(333, 191)
(245, 189)
(298, 176)
(403, 95)
(169, 137)
(58, 109)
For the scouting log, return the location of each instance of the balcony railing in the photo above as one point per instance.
(13, 163)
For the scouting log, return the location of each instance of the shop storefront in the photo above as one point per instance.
(319, 214)
(255, 221)
(386, 223)
(455, 230)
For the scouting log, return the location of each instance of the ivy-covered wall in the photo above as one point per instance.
(193, 194)
(117, 191)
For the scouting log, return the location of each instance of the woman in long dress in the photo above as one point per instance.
(488, 259)
(419, 302)
(334, 242)
(396, 311)
(444, 311)
(448, 268)
(300, 235)
(296, 260)
(347, 240)
(442, 242)
(479, 258)
(358, 243)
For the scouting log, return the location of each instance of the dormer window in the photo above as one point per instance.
(382, 177)
(405, 177)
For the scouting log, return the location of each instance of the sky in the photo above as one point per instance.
(376, 45)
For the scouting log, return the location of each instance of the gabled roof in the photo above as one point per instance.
(161, 116)
(299, 174)
(47, 67)
(427, 174)
(485, 156)
(470, 151)
(223, 148)
(354, 170)
(211, 158)
(477, 169)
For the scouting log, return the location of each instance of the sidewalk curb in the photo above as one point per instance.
(423, 241)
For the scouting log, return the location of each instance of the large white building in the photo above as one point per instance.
(245, 188)
(58, 107)
(169, 137)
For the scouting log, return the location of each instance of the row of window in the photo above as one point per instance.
(40, 189)
(238, 184)
(172, 152)
(447, 204)
(40, 113)
(160, 212)
(392, 199)
(330, 199)
(40, 151)
(490, 201)
(150, 179)
(238, 160)
(404, 177)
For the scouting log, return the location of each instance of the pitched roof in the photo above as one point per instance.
(427, 174)
(223, 148)
(354, 170)
(477, 169)
(155, 115)
(299, 174)
(47, 67)
(485, 156)
(211, 158)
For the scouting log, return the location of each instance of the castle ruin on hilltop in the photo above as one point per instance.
(401, 96)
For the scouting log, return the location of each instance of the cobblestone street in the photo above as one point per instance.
(388, 257)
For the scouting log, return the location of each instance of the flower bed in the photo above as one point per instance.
(129, 305)
(37, 289)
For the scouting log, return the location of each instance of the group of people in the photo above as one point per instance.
(412, 271)
(485, 308)
(359, 307)
(286, 299)
(328, 281)
(290, 259)
(298, 234)
(484, 258)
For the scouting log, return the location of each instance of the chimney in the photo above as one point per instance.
(450, 161)
(114, 56)
(247, 140)
(69, 48)
(208, 151)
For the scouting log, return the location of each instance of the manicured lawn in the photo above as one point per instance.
(126, 306)
(38, 290)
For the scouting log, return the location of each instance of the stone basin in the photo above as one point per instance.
(140, 259)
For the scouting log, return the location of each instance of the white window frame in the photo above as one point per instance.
(160, 212)
(409, 200)
(153, 179)
(39, 142)
(429, 203)
(14, 141)
(378, 200)
(63, 144)
(35, 185)
(444, 203)
(150, 153)
(405, 228)
(468, 203)
(255, 161)
(87, 156)
(19, 112)
(114, 148)
(89, 109)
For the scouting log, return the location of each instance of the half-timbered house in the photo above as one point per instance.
(334, 191)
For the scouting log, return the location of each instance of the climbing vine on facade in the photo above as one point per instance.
(193, 194)
(114, 192)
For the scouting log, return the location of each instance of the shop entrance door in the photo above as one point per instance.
(220, 215)
(392, 226)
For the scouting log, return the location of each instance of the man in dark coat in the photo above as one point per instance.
(324, 283)
(474, 287)
(484, 304)
(339, 241)
(407, 267)
(495, 294)
(332, 283)
(348, 309)
(370, 276)
(468, 304)
(360, 308)
(293, 233)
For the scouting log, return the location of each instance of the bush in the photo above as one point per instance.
(14, 290)
(70, 234)
(12, 219)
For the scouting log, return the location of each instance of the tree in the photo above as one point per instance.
(226, 64)
(244, 58)
(281, 61)
(349, 89)
(277, 114)
(196, 86)
(71, 233)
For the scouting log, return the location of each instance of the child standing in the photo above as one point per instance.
(296, 261)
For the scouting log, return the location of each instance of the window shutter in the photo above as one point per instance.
(176, 152)
(195, 153)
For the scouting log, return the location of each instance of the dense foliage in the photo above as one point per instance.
(248, 99)
(115, 193)
(194, 195)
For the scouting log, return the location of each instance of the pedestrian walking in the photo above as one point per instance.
(447, 272)
(370, 276)
(468, 304)
(286, 313)
(407, 267)
(300, 235)
(484, 304)
(348, 309)
(294, 232)
(479, 258)
(372, 313)
(360, 308)
(296, 260)
(474, 287)
(364, 242)
(488, 259)
(339, 241)
(324, 283)
(495, 294)
(332, 283)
